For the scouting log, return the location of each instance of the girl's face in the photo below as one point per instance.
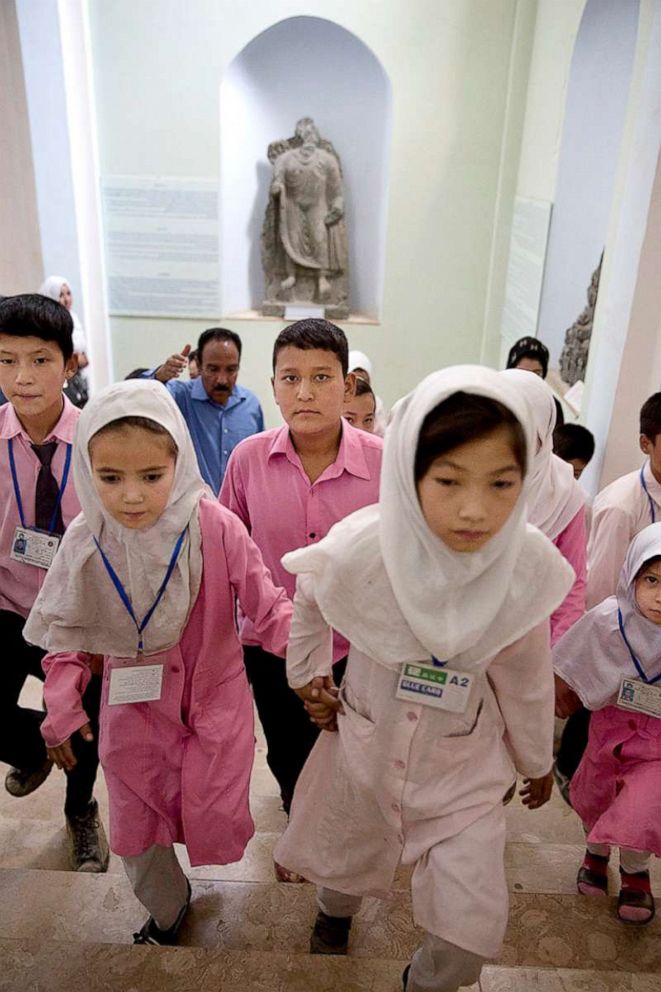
(359, 411)
(647, 590)
(133, 472)
(468, 493)
(66, 299)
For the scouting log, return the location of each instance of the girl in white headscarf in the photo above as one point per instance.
(58, 289)
(444, 593)
(146, 578)
(556, 502)
(607, 659)
(362, 366)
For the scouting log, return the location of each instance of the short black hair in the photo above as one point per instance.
(573, 441)
(650, 417)
(313, 332)
(217, 334)
(529, 347)
(194, 354)
(31, 315)
(136, 374)
(461, 418)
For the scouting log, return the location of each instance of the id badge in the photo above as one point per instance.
(428, 685)
(640, 697)
(135, 684)
(34, 547)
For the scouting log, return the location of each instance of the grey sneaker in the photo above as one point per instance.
(88, 846)
(19, 782)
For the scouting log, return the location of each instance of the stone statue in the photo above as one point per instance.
(574, 355)
(304, 242)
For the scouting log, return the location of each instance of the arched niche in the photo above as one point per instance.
(303, 66)
(596, 106)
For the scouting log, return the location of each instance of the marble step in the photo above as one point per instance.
(62, 967)
(545, 931)
(531, 867)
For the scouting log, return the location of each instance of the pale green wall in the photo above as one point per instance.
(158, 68)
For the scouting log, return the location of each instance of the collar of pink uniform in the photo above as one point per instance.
(350, 456)
(10, 425)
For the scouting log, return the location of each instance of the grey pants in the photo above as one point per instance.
(437, 965)
(159, 883)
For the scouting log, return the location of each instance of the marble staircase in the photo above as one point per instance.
(64, 932)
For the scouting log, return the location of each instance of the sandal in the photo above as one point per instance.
(635, 903)
(285, 875)
(592, 878)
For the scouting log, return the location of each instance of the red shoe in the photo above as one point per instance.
(635, 904)
(592, 878)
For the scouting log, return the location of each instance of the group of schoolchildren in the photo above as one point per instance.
(415, 586)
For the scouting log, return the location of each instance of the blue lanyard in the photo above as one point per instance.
(639, 668)
(17, 490)
(647, 493)
(121, 591)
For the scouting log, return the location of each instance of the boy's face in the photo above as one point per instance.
(32, 374)
(579, 467)
(360, 412)
(310, 389)
(652, 448)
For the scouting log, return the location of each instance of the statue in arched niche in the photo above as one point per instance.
(304, 242)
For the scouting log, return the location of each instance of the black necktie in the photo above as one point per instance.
(47, 491)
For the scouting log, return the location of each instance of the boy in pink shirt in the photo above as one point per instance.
(37, 502)
(289, 485)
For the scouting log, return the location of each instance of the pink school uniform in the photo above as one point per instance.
(266, 486)
(20, 583)
(177, 766)
(401, 781)
(615, 790)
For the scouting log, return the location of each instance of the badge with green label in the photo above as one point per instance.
(429, 685)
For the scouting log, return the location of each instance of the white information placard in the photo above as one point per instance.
(161, 243)
(525, 271)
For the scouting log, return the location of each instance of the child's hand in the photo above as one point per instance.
(63, 755)
(321, 702)
(536, 791)
(566, 700)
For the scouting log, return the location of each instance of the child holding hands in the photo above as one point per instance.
(444, 594)
(610, 661)
(147, 578)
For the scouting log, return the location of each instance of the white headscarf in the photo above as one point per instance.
(359, 360)
(397, 592)
(78, 607)
(52, 287)
(593, 656)
(554, 496)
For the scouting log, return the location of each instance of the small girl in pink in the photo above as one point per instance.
(611, 659)
(145, 584)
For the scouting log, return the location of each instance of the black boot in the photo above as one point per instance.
(330, 934)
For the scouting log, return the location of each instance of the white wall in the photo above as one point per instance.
(596, 104)
(158, 70)
(303, 67)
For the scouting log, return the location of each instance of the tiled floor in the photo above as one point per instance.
(61, 932)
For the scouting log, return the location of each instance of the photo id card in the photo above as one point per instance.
(135, 684)
(428, 685)
(640, 697)
(34, 547)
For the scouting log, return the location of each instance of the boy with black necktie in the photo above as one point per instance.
(37, 503)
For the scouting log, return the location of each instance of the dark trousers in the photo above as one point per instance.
(573, 742)
(21, 743)
(290, 734)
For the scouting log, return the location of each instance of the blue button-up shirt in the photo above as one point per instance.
(215, 429)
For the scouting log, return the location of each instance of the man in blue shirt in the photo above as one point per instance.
(219, 413)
